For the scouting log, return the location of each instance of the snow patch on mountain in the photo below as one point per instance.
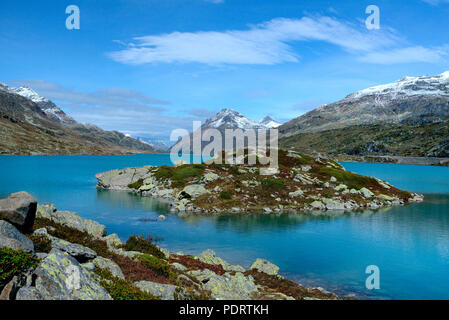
(269, 123)
(51, 110)
(408, 86)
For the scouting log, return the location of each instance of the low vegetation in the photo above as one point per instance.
(179, 175)
(14, 262)
(143, 243)
(120, 289)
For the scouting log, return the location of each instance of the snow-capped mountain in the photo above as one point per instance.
(157, 144)
(269, 122)
(51, 110)
(231, 119)
(47, 129)
(415, 100)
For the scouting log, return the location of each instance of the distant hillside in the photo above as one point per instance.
(26, 128)
(407, 117)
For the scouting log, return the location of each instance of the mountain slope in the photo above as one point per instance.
(416, 100)
(51, 110)
(27, 129)
(409, 117)
(230, 119)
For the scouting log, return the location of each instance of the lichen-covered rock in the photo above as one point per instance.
(28, 293)
(297, 193)
(227, 286)
(366, 193)
(45, 210)
(318, 205)
(109, 265)
(113, 241)
(333, 204)
(73, 220)
(210, 177)
(178, 266)
(120, 179)
(79, 252)
(163, 291)
(210, 257)
(60, 277)
(195, 190)
(12, 238)
(19, 209)
(265, 266)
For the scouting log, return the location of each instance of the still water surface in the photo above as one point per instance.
(410, 244)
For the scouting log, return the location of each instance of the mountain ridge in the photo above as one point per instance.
(27, 129)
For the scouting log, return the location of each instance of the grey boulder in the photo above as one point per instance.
(19, 209)
(60, 277)
(11, 238)
(79, 252)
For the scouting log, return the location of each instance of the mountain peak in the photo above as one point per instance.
(269, 122)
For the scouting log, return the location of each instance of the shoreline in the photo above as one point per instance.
(49, 241)
(425, 161)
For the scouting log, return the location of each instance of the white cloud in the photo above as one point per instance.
(267, 43)
(407, 55)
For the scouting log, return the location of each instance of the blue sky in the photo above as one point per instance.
(146, 67)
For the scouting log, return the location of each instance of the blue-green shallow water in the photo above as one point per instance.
(409, 244)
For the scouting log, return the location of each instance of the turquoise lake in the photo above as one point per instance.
(409, 244)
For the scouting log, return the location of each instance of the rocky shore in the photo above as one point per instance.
(46, 254)
(300, 184)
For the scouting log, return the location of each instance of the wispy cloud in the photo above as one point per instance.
(267, 43)
(408, 55)
(125, 110)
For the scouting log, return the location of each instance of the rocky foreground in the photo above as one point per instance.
(302, 183)
(46, 254)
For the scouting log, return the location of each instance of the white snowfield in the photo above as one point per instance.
(229, 118)
(409, 86)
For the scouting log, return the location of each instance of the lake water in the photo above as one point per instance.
(409, 244)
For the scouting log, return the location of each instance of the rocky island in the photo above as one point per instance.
(301, 183)
(47, 254)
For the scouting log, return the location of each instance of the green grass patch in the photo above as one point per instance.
(13, 262)
(136, 185)
(179, 175)
(273, 184)
(225, 195)
(159, 266)
(352, 180)
(143, 243)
